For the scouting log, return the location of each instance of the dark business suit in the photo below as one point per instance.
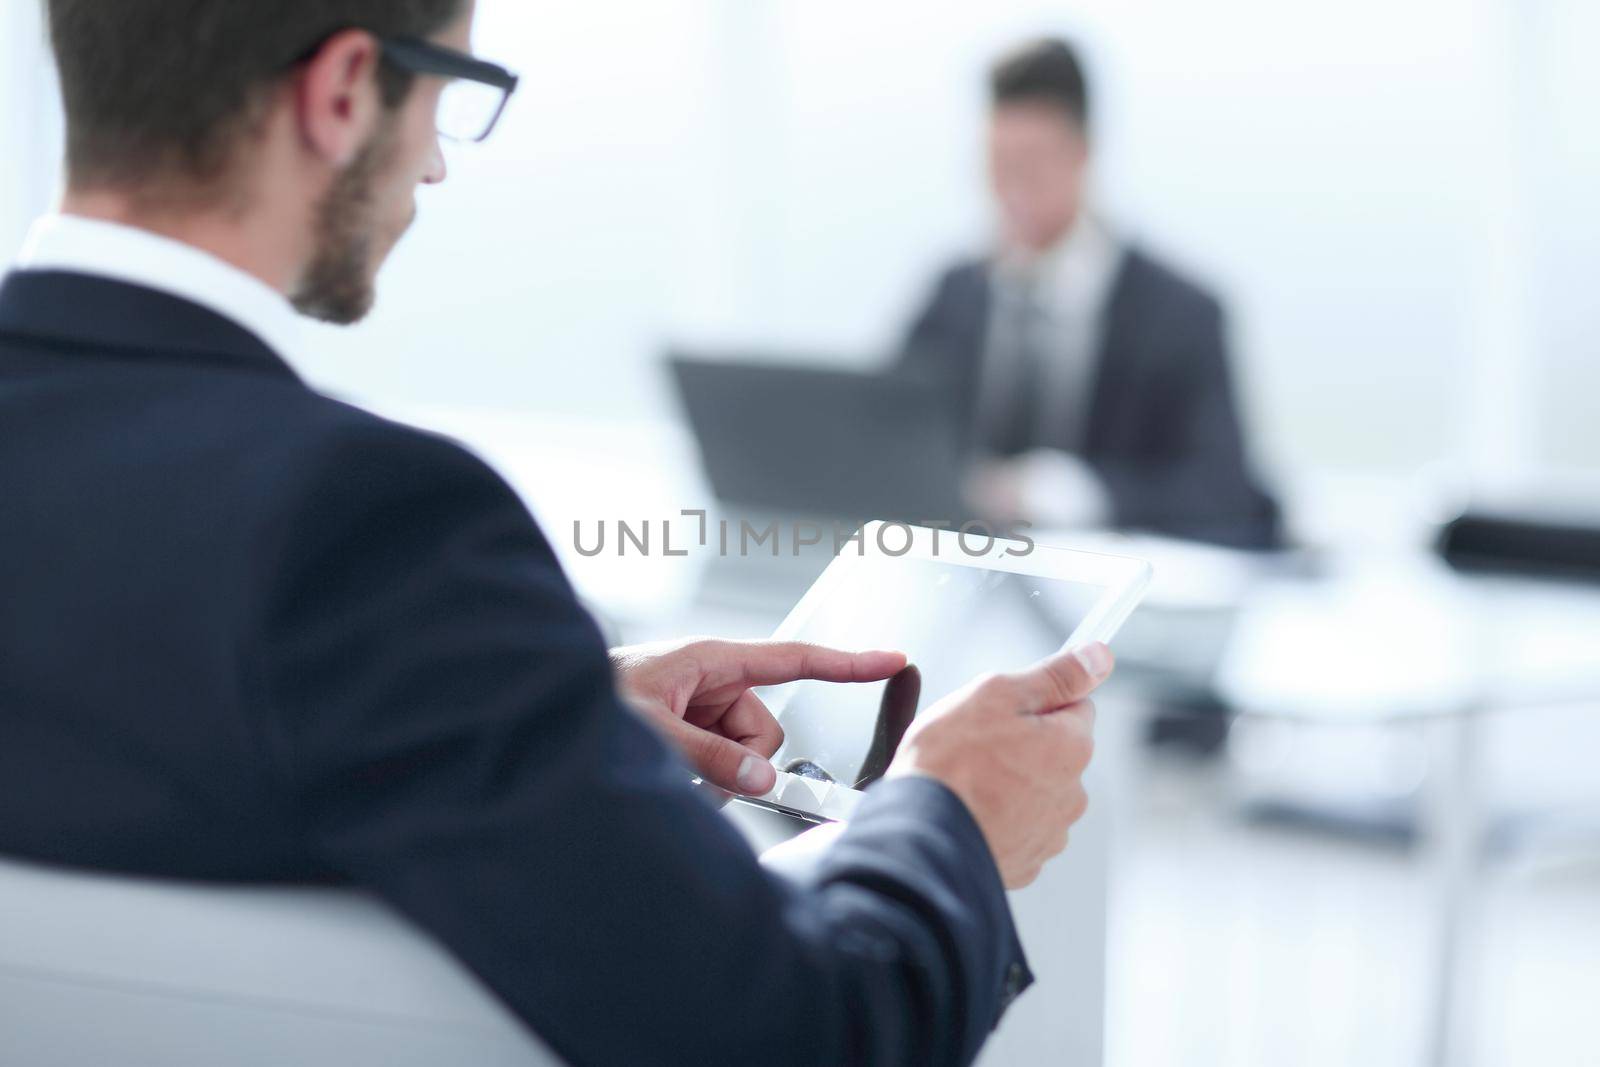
(1163, 428)
(250, 633)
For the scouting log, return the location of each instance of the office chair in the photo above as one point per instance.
(96, 969)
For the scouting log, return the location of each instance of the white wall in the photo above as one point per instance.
(1394, 196)
(30, 126)
(1563, 139)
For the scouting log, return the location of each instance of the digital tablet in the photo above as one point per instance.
(958, 605)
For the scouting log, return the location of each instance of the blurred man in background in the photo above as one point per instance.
(1093, 379)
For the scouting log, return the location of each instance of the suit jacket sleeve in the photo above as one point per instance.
(450, 737)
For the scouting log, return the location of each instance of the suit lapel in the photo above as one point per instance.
(1115, 370)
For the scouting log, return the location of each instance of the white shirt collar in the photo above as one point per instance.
(139, 257)
(1075, 275)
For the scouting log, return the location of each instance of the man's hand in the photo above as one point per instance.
(1045, 487)
(1014, 748)
(697, 693)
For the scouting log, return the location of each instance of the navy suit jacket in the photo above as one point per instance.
(250, 633)
(1163, 431)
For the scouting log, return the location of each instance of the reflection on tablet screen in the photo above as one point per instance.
(954, 622)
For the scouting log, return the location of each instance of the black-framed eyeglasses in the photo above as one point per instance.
(475, 96)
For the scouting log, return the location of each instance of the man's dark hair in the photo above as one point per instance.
(1046, 71)
(167, 89)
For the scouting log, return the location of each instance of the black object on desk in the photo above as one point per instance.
(1526, 545)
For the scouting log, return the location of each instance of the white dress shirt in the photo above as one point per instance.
(1071, 283)
(139, 257)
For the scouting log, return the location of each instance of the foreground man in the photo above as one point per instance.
(249, 633)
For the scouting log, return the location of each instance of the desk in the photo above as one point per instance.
(1403, 641)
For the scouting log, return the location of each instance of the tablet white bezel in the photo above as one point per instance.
(1123, 579)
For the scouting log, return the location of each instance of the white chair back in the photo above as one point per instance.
(99, 970)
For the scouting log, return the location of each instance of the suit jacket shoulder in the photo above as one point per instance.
(1151, 286)
(946, 338)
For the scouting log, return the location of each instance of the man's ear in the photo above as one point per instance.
(336, 96)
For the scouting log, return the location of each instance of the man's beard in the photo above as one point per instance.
(338, 285)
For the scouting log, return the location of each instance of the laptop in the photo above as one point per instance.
(789, 438)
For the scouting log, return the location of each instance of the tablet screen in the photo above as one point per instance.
(954, 622)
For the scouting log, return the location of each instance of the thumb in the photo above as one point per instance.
(724, 762)
(1065, 678)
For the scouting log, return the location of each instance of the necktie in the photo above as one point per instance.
(1017, 384)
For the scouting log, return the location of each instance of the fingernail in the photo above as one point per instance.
(756, 775)
(1095, 658)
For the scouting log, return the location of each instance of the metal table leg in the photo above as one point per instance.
(1451, 820)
